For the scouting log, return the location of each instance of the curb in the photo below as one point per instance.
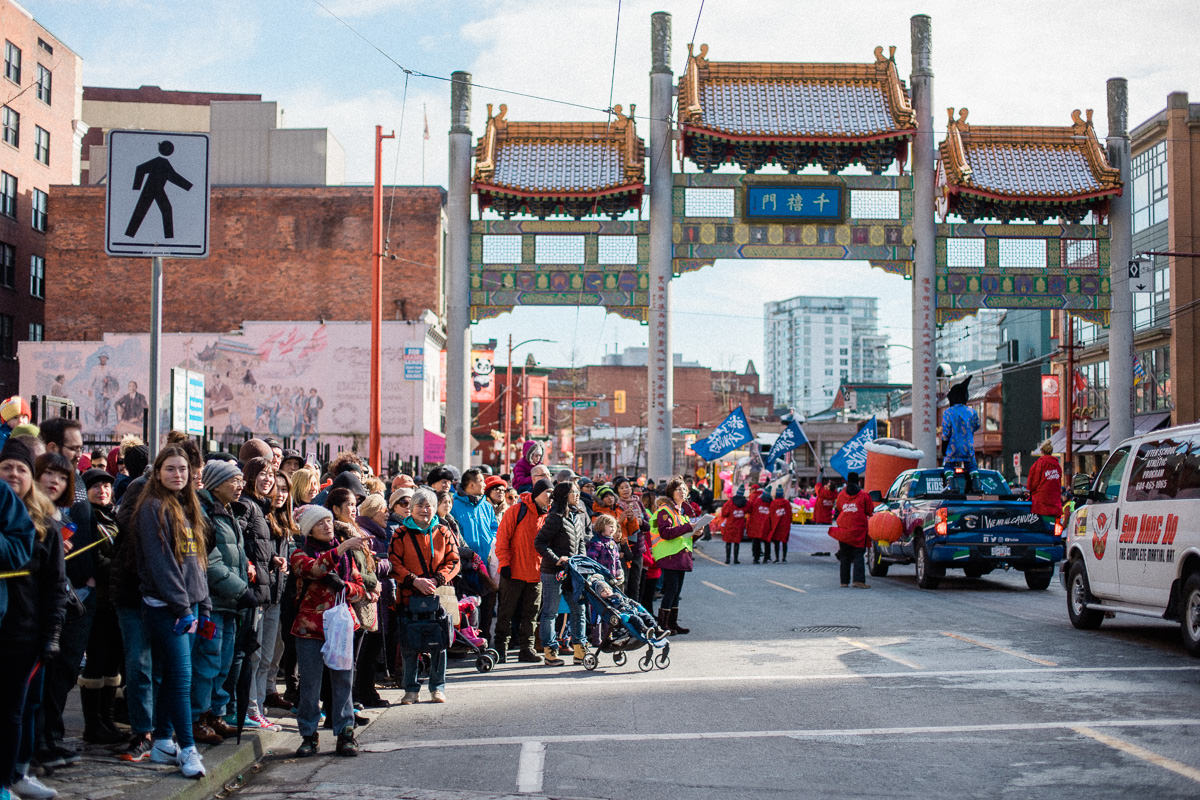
(234, 759)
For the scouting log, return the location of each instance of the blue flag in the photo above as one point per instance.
(791, 438)
(853, 455)
(729, 435)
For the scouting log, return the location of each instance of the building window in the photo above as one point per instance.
(1152, 390)
(8, 265)
(1149, 172)
(12, 62)
(8, 195)
(41, 144)
(38, 217)
(12, 126)
(37, 276)
(36, 332)
(8, 347)
(44, 78)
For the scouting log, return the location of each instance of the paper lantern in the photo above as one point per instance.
(885, 527)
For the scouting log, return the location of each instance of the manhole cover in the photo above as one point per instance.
(826, 629)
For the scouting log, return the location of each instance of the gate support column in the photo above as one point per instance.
(458, 277)
(924, 369)
(661, 389)
(1120, 321)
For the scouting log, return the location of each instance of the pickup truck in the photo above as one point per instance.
(968, 521)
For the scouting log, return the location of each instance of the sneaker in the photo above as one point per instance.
(248, 722)
(164, 751)
(437, 696)
(190, 764)
(408, 699)
(49, 759)
(860, 585)
(137, 750)
(65, 756)
(263, 723)
(29, 786)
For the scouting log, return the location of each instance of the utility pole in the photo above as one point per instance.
(508, 411)
(1070, 335)
(377, 303)
(924, 379)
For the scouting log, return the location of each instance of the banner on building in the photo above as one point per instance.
(853, 455)
(731, 434)
(483, 376)
(791, 438)
(1051, 397)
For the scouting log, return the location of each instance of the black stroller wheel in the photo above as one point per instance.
(662, 661)
(646, 663)
(590, 662)
(619, 658)
(484, 663)
(492, 654)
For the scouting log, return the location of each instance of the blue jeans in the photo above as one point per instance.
(141, 679)
(551, 592)
(312, 667)
(173, 705)
(211, 659)
(437, 670)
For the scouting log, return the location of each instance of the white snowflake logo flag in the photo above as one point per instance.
(853, 455)
(732, 433)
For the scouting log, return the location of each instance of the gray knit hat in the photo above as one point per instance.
(309, 516)
(217, 471)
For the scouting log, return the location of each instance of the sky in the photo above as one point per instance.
(340, 64)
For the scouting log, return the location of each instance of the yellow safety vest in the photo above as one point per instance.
(660, 548)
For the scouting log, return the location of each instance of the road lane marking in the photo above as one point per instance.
(707, 557)
(785, 586)
(466, 681)
(1000, 649)
(718, 588)
(531, 766)
(802, 733)
(864, 646)
(1139, 752)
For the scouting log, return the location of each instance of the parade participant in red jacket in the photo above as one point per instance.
(851, 510)
(733, 525)
(823, 498)
(758, 528)
(781, 524)
(1045, 485)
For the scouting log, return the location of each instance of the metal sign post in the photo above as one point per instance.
(156, 276)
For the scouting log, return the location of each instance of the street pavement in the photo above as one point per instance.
(790, 686)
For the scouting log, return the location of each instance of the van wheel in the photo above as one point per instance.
(1039, 579)
(1079, 594)
(928, 576)
(1189, 608)
(875, 563)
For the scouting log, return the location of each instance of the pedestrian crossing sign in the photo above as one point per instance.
(157, 194)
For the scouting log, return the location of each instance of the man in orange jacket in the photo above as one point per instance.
(521, 570)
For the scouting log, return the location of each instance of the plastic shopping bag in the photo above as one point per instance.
(338, 650)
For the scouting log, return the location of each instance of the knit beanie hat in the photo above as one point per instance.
(14, 449)
(254, 448)
(542, 485)
(217, 471)
(13, 407)
(137, 458)
(309, 516)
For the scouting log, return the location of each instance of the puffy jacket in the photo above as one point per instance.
(607, 553)
(437, 548)
(733, 526)
(563, 534)
(522, 477)
(37, 603)
(16, 538)
(227, 575)
(515, 549)
(1045, 486)
(781, 520)
(852, 510)
(260, 548)
(318, 592)
(476, 522)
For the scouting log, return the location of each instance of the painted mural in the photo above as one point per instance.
(302, 381)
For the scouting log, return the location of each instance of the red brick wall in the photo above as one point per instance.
(276, 253)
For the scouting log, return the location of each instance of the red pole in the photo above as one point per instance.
(1070, 456)
(508, 412)
(377, 303)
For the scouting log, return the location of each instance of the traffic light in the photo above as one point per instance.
(519, 414)
(619, 401)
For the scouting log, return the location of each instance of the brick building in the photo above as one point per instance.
(277, 253)
(530, 414)
(40, 146)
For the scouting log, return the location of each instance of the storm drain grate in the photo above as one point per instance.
(826, 629)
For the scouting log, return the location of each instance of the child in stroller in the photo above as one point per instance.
(630, 627)
(466, 634)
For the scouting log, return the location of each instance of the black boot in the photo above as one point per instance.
(673, 622)
(347, 745)
(736, 547)
(785, 552)
(728, 549)
(108, 702)
(501, 650)
(309, 746)
(664, 616)
(94, 731)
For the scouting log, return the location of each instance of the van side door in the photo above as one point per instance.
(1104, 526)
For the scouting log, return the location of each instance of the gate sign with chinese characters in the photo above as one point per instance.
(795, 203)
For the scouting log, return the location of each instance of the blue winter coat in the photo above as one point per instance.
(16, 538)
(476, 521)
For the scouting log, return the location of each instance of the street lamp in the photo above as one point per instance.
(508, 399)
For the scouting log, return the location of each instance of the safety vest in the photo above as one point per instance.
(660, 548)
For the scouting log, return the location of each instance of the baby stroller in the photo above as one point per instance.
(631, 627)
(467, 635)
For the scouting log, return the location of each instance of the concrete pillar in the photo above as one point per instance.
(1183, 236)
(458, 249)
(1120, 222)
(661, 392)
(924, 366)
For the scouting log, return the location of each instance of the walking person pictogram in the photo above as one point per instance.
(156, 174)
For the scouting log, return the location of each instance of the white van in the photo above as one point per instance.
(1134, 548)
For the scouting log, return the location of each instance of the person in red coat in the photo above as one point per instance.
(851, 510)
(1045, 485)
(781, 523)
(823, 499)
(758, 528)
(733, 525)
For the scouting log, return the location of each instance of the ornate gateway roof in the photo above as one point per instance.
(1011, 172)
(572, 168)
(752, 113)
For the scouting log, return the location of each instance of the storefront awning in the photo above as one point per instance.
(1096, 438)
